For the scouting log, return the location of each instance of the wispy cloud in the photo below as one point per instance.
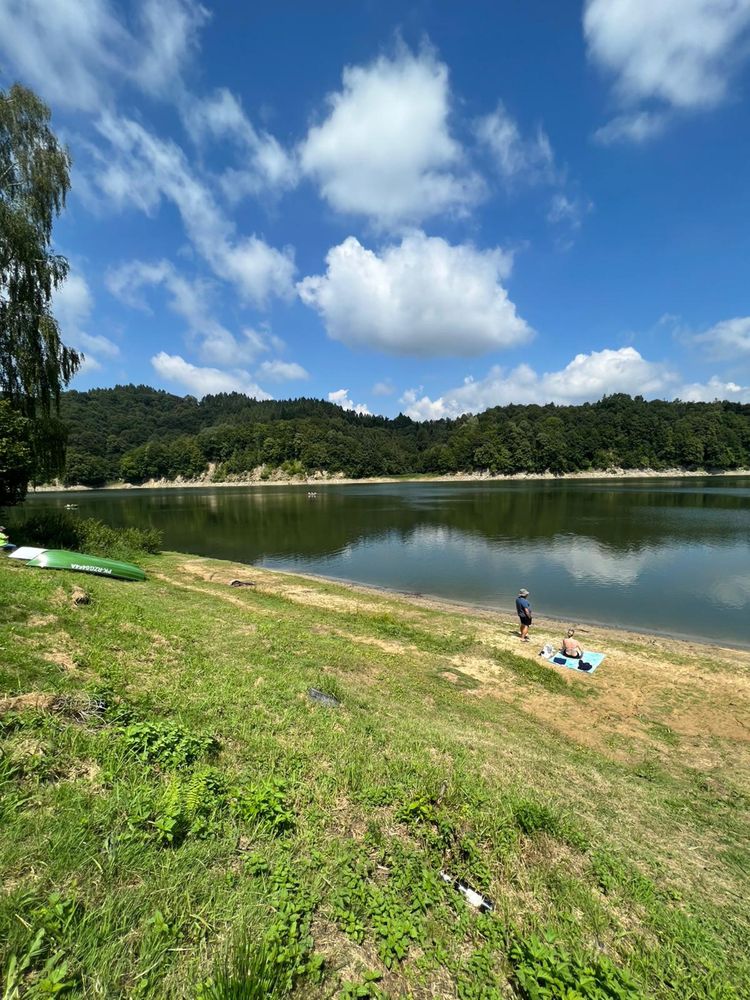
(139, 169)
(282, 370)
(727, 339)
(517, 158)
(78, 53)
(194, 300)
(266, 165)
(204, 381)
(72, 305)
(665, 56)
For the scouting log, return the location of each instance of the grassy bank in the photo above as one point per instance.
(179, 815)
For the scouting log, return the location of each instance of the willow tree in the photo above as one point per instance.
(35, 365)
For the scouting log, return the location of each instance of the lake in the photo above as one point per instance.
(662, 555)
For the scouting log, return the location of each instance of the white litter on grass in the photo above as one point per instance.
(473, 898)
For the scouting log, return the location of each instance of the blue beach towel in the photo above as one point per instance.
(573, 664)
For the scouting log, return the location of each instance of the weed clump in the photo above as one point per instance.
(270, 970)
(265, 803)
(246, 972)
(57, 529)
(543, 969)
(166, 743)
(395, 910)
(534, 817)
(41, 953)
(367, 989)
(197, 804)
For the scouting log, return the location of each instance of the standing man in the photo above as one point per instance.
(524, 613)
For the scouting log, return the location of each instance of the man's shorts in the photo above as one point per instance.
(524, 621)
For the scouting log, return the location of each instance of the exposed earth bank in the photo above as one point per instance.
(277, 478)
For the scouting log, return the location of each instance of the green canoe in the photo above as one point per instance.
(77, 561)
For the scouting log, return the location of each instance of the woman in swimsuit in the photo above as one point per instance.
(570, 646)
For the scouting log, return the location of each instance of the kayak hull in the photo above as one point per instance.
(78, 562)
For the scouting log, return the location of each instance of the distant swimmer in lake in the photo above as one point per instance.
(571, 646)
(524, 613)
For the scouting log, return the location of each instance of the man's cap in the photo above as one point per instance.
(523, 592)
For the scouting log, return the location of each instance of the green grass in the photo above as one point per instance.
(179, 819)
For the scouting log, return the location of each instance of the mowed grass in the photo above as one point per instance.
(180, 819)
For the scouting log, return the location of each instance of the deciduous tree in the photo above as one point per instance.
(35, 365)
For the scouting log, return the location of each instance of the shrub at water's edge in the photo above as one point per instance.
(59, 530)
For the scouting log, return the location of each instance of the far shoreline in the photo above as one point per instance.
(613, 475)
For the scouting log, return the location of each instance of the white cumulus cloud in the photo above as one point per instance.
(422, 297)
(204, 381)
(586, 377)
(341, 398)
(715, 388)
(385, 149)
(680, 54)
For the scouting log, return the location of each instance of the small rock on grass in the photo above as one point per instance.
(79, 597)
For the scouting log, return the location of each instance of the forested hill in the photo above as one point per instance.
(135, 433)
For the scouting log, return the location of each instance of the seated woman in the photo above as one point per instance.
(571, 646)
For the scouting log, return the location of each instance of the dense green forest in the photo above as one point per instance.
(135, 433)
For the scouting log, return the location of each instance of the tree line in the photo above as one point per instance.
(135, 433)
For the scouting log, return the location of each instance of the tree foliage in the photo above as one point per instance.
(15, 455)
(136, 433)
(34, 363)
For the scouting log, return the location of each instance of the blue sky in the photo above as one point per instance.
(428, 207)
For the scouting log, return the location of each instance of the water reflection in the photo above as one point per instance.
(657, 554)
(733, 592)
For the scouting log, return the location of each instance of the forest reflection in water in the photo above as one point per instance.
(667, 555)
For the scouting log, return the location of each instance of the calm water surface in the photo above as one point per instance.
(663, 555)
